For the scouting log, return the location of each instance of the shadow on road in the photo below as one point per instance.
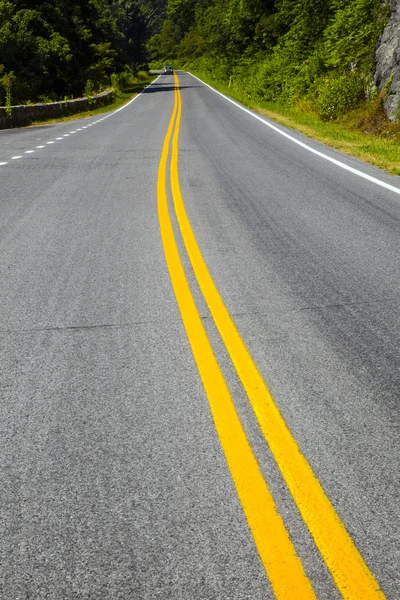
(166, 88)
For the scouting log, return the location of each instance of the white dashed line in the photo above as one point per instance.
(2, 164)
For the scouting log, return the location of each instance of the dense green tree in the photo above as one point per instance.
(53, 47)
(318, 50)
(286, 50)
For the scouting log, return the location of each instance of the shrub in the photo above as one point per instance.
(7, 82)
(115, 83)
(336, 94)
(89, 89)
(120, 81)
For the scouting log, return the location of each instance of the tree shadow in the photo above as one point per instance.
(167, 88)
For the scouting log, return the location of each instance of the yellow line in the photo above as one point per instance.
(349, 571)
(276, 550)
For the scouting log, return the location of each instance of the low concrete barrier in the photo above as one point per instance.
(28, 113)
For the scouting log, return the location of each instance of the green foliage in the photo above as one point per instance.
(54, 46)
(336, 94)
(353, 32)
(275, 50)
(89, 89)
(120, 81)
(116, 84)
(104, 58)
(7, 82)
(163, 46)
(278, 50)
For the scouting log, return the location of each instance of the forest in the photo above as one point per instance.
(58, 49)
(318, 52)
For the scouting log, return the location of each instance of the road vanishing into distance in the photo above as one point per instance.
(200, 385)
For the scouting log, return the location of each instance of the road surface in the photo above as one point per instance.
(200, 332)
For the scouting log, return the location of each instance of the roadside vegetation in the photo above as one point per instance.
(55, 50)
(122, 95)
(363, 132)
(306, 63)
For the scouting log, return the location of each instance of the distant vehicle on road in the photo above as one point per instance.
(168, 70)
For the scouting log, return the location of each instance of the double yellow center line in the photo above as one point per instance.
(283, 566)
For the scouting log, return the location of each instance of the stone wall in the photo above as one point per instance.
(26, 114)
(387, 62)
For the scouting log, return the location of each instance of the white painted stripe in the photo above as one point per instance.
(338, 163)
(90, 124)
(85, 126)
(133, 99)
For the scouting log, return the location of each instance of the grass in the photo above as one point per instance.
(364, 132)
(129, 92)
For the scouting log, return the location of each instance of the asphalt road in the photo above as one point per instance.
(114, 483)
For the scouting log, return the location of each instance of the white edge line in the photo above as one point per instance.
(338, 163)
(113, 113)
(133, 99)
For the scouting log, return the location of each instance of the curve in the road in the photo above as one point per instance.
(349, 571)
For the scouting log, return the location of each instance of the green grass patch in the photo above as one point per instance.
(130, 91)
(363, 132)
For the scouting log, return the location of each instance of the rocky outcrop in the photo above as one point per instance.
(18, 116)
(387, 62)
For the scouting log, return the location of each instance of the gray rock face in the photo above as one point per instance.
(387, 62)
